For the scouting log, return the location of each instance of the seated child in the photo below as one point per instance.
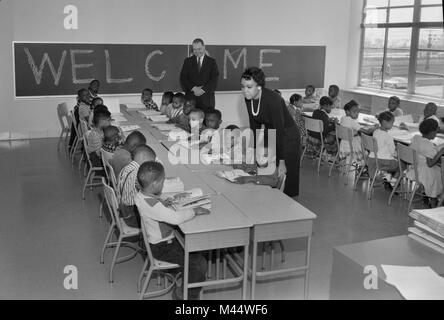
(122, 156)
(101, 120)
(295, 110)
(430, 110)
(387, 155)
(167, 106)
(310, 96)
(81, 111)
(96, 102)
(147, 99)
(393, 106)
(350, 120)
(429, 156)
(127, 186)
(160, 221)
(333, 94)
(96, 105)
(184, 119)
(112, 140)
(197, 118)
(177, 110)
(325, 106)
(213, 120)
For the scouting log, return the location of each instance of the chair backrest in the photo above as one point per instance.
(407, 155)
(345, 134)
(281, 182)
(62, 114)
(369, 144)
(109, 171)
(113, 206)
(147, 243)
(314, 125)
(76, 125)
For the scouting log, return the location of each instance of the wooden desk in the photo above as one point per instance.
(349, 261)
(274, 216)
(224, 227)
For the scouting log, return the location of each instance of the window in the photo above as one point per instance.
(403, 46)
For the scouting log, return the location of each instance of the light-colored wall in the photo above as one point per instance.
(259, 22)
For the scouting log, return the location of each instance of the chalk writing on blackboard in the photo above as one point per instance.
(147, 69)
(229, 55)
(38, 71)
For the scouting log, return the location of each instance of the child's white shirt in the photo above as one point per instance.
(348, 122)
(386, 145)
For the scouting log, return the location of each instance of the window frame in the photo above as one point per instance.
(416, 26)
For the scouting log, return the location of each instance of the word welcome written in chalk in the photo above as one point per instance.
(46, 69)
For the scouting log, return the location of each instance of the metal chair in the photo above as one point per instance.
(110, 178)
(154, 265)
(77, 143)
(343, 134)
(369, 145)
(314, 126)
(65, 124)
(120, 229)
(90, 177)
(409, 157)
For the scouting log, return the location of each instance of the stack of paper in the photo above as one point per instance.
(173, 185)
(428, 227)
(232, 175)
(158, 118)
(135, 106)
(415, 283)
(129, 128)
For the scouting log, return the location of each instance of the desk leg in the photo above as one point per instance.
(245, 279)
(253, 269)
(308, 268)
(185, 274)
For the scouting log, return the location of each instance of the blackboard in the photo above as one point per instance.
(51, 69)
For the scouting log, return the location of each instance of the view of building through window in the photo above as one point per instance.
(403, 46)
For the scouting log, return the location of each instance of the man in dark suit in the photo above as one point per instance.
(199, 76)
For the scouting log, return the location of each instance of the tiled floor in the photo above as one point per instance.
(45, 226)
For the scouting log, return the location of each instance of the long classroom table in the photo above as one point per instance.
(269, 215)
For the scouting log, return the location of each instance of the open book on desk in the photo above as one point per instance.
(148, 113)
(189, 199)
(232, 175)
(129, 128)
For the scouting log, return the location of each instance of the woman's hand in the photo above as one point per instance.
(282, 169)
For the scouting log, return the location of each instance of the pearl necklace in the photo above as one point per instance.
(258, 105)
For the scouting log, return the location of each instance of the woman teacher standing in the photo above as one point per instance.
(267, 108)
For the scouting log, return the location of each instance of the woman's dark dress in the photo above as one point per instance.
(273, 114)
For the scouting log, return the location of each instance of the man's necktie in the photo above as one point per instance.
(199, 64)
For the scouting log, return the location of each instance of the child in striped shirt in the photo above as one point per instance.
(160, 220)
(127, 186)
(177, 110)
(147, 99)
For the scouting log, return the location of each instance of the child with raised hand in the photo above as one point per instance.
(147, 99)
(429, 156)
(160, 222)
(167, 103)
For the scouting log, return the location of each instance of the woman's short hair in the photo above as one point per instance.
(256, 74)
(427, 126)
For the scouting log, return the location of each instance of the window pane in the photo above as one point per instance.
(432, 14)
(397, 61)
(371, 67)
(374, 38)
(374, 16)
(377, 3)
(401, 15)
(429, 85)
(430, 61)
(431, 2)
(431, 39)
(401, 3)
